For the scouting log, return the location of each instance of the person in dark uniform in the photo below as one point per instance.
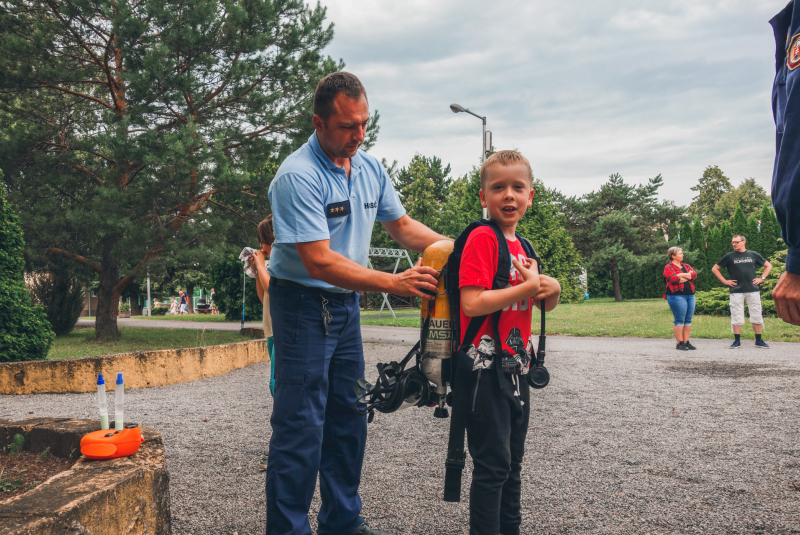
(325, 199)
(786, 173)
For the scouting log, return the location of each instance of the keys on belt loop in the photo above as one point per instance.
(326, 315)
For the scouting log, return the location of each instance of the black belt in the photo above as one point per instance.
(336, 296)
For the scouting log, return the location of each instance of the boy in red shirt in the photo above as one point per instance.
(499, 403)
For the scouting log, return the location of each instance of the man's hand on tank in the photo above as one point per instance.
(730, 283)
(758, 280)
(413, 281)
(787, 298)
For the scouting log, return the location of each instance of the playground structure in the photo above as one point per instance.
(381, 252)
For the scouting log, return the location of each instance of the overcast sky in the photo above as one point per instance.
(583, 88)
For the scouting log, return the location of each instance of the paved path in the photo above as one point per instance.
(370, 333)
(630, 437)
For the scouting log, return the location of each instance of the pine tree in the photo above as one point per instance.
(686, 235)
(25, 333)
(753, 235)
(702, 265)
(739, 222)
(130, 125)
(715, 252)
(770, 232)
(710, 188)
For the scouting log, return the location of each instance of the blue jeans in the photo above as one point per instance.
(315, 430)
(682, 309)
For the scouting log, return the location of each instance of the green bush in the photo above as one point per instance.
(124, 307)
(25, 333)
(714, 302)
(62, 298)
(159, 311)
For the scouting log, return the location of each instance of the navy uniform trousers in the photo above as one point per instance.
(314, 427)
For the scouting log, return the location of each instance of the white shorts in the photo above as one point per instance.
(753, 304)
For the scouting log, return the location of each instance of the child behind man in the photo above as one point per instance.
(499, 403)
(266, 236)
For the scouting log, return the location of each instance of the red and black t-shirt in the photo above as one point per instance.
(478, 268)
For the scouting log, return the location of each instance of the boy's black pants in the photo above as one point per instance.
(496, 428)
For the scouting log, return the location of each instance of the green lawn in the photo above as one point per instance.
(187, 317)
(642, 318)
(81, 342)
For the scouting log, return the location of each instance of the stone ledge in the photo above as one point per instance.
(126, 496)
(142, 368)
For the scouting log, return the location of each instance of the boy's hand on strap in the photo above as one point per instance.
(550, 291)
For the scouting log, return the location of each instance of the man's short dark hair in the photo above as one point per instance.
(330, 86)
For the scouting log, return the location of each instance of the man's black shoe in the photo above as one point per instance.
(681, 347)
(364, 529)
(688, 345)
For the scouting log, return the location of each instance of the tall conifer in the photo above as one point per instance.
(739, 225)
(686, 235)
(25, 333)
(753, 235)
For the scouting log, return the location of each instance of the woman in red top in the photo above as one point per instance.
(680, 296)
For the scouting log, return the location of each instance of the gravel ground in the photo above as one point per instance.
(630, 437)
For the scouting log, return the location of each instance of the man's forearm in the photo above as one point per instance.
(715, 271)
(340, 271)
(412, 234)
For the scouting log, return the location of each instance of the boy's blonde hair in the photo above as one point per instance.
(505, 157)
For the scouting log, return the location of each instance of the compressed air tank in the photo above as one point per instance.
(435, 322)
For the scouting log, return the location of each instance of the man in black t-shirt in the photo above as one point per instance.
(743, 283)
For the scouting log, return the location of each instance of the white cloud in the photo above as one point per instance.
(583, 88)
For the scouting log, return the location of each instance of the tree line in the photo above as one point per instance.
(141, 138)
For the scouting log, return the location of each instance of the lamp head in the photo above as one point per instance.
(457, 108)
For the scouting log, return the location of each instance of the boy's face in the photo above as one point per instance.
(507, 193)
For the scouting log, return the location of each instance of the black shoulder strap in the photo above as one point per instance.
(500, 277)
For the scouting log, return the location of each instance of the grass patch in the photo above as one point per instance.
(648, 318)
(81, 342)
(210, 318)
(639, 318)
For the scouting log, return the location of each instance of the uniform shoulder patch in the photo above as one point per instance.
(793, 52)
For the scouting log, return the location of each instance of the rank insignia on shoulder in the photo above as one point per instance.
(337, 209)
(793, 52)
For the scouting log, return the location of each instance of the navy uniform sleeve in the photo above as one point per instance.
(786, 111)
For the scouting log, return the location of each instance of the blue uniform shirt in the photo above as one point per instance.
(313, 200)
(786, 110)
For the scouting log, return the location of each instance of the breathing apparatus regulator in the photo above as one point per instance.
(427, 382)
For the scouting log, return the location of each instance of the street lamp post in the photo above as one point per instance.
(486, 138)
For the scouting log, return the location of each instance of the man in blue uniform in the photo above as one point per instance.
(325, 199)
(786, 173)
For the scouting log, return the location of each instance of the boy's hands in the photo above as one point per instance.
(529, 273)
(550, 291)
